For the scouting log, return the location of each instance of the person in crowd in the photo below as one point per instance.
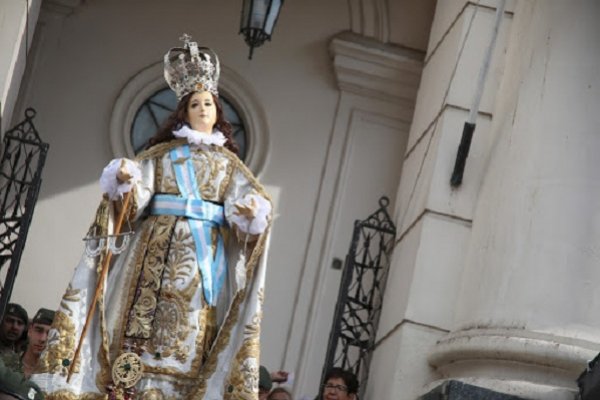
(340, 384)
(13, 331)
(265, 383)
(280, 393)
(37, 336)
(279, 376)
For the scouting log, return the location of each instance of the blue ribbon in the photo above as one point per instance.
(202, 217)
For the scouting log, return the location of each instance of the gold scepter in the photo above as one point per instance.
(100, 284)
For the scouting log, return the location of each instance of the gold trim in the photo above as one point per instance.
(60, 348)
(138, 260)
(127, 370)
(227, 178)
(242, 381)
(103, 376)
(169, 333)
(71, 296)
(160, 149)
(245, 171)
(66, 395)
(144, 305)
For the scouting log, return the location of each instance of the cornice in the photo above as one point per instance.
(369, 68)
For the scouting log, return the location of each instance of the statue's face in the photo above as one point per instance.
(202, 112)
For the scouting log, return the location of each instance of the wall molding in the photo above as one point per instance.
(369, 18)
(464, 354)
(368, 68)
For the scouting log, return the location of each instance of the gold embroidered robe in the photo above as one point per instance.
(153, 298)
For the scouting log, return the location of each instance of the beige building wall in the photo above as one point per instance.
(528, 300)
(493, 282)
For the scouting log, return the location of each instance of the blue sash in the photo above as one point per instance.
(202, 216)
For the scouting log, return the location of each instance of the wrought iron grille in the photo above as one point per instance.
(360, 298)
(23, 157)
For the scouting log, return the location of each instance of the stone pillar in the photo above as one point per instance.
(527, 319)
(433, 219)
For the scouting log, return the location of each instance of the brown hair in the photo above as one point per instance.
(178, 118)
(347, 376)
(280, 389)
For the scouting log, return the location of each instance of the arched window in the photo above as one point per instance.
(153, 112)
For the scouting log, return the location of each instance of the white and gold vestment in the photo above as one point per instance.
(196, 340)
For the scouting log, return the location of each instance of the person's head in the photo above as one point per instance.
(340, 384)
(264, 383)
(38, 331)
(280, 393)
(14, 323)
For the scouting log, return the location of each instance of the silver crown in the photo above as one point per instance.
(191, 68)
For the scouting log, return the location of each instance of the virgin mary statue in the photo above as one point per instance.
(179, 313)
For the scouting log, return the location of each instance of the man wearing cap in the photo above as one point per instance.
(13, 330)
(264, 383)
(38, 337)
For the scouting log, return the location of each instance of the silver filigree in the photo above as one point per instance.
(191, 68)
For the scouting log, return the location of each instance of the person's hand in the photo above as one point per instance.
(123, 175)
(279, 376)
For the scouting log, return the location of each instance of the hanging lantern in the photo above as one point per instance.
(258, 20)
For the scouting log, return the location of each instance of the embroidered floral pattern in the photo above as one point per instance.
(145, 303)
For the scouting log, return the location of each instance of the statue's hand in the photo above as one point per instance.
(123, 174)
(246, 210)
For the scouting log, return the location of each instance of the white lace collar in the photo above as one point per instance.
(197, 138)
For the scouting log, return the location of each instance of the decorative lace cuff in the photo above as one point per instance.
(109, 183)
(251, 214)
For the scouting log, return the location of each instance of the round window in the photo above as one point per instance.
(153, 112)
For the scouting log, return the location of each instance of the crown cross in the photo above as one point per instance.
(185, 38)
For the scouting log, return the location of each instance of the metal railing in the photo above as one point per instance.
(23, 157)
(360, 297)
